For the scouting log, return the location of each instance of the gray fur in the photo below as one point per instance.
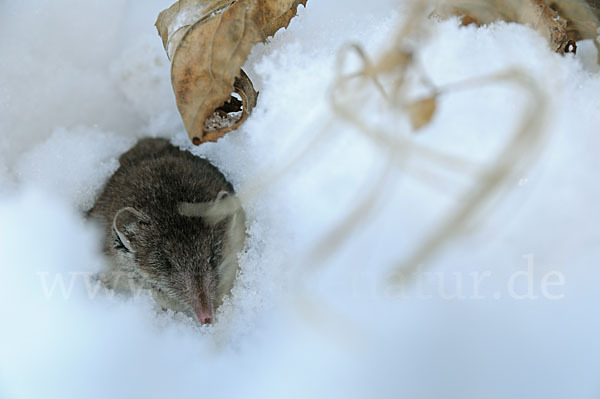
(172, 225)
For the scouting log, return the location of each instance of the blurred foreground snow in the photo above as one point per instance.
(508, 310)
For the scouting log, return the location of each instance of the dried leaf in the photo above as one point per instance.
(582, 17)
(281, 16)
(208, 41)
(236, 111)
(206, 62)
(421, 111)
(173, 22)
(559, 20)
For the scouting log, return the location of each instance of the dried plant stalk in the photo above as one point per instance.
(392, 67)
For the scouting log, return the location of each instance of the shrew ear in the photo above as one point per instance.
(126, 225)
(222, 195)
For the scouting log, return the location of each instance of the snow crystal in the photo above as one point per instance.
(64, 165)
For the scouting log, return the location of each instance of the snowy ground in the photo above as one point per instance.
(81, 81)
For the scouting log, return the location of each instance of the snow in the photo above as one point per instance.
(84, 80)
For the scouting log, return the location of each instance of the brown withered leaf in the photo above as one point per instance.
(582, 17)
(208, 41)
(173, 22)
(234, 112)
(279, 16)
(560, 21)
(205, 64)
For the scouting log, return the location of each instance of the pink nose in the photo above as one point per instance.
(204, 316)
